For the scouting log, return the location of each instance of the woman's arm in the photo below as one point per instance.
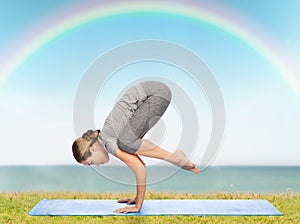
(139, 169)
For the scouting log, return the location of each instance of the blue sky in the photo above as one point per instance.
(262, 111)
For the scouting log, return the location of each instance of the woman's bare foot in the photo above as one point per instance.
(178, 158)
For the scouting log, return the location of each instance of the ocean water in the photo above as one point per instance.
(160, 179)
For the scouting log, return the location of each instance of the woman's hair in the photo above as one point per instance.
(81, 146)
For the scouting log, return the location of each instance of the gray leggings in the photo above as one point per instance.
(145, 116)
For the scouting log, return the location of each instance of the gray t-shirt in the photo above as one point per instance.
(119, 116)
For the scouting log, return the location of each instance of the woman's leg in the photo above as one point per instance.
(177, 158)
(146, 115)
(144, 118)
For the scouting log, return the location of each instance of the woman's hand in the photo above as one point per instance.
(129, 201)
(127, 209)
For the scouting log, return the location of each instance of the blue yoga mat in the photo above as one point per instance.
(77, 207)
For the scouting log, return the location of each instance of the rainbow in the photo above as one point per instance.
(81, 14)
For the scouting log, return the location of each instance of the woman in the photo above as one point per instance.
(137, 111)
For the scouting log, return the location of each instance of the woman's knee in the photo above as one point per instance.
(156, 88)
(165, 92)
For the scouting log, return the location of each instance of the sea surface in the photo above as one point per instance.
(159, 178)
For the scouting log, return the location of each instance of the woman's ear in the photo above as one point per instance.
(92, 148)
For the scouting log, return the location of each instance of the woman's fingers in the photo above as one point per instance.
(126, 210)
(124, 200)
(129, 201)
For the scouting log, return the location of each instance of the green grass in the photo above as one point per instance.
(14, 208)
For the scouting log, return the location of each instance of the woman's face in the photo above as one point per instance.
(99, 155)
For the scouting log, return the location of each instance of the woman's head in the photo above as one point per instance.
(88, 146)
